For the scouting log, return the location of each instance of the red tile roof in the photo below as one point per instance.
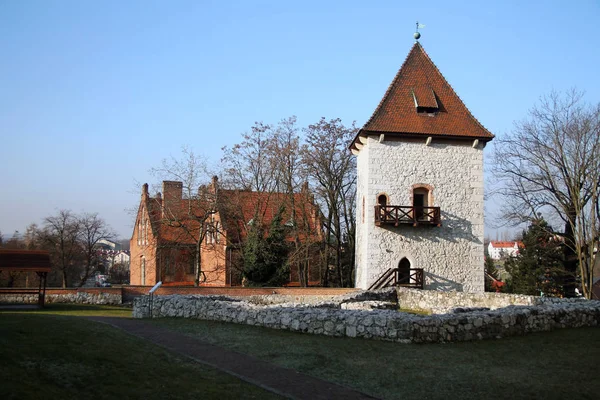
(236, 209)
(500, 244)
(420, 84)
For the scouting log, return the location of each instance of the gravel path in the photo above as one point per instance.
(280, 380)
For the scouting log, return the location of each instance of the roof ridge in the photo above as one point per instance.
(470, 114)
(389, 89)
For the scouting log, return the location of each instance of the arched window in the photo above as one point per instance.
(422, 198)
(145, 231)
(382, 199)
(143, 270)
(404, 271)
(139, 233)
(404, 263)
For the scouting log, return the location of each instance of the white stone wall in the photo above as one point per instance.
(451, 255)
(73, 298)
(438, 302)
(362, 237)
(375, 324)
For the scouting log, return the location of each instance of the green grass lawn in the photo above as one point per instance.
(80, 310)
(47, 354)
(551, 365)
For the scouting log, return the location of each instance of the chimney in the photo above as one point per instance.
(214, 185)
(173, 193)
(145, 190)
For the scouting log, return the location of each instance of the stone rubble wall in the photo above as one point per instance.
(452, 254)
(330, 319)
(76, 298)
(385, 295)
(439, 302)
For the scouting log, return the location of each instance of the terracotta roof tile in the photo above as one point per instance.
(504, 244)
(236, 209)
(442, 112)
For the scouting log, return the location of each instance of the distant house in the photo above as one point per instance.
(169, 229)
(106, 244)
(499, 250)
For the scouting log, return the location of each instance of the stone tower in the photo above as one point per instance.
(420, 185)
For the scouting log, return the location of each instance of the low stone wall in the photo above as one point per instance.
(330, 319)
(126, 294)
(438, 302)
(269, 295)
(76, 296)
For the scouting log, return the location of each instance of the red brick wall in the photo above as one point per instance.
(144, 250)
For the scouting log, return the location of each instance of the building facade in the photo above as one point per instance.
(420, 184)
(499, 249)
(173, 233)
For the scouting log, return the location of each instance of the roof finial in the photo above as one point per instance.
(417, 35)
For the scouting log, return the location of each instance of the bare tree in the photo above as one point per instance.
(286, 159)
(61, 235)
(332, 168)
(248, 165)
(31, 237)
(193, 221)
(92, 229)
(550, 164)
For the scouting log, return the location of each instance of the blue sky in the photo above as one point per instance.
(95, 93)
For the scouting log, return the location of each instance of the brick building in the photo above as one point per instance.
(170, 228)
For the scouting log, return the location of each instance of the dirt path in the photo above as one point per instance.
(280, 380)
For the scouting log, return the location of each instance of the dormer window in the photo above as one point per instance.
(425, 100)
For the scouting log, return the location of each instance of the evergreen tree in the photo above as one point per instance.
(265, 255)
(538, 268)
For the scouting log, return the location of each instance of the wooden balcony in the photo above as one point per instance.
(407, 215)
(405, 277)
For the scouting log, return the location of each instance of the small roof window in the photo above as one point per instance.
(425, 99)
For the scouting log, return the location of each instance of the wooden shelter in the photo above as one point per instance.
(27, 261)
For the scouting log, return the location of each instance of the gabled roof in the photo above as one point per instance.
(420, 102)
(236, 209)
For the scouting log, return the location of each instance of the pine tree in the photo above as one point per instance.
(278, 250)
(538, 268)
(265, 256)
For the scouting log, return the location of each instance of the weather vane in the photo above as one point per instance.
(417, 35)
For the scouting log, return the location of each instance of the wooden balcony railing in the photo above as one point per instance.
(406, 277)
(396, 215)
